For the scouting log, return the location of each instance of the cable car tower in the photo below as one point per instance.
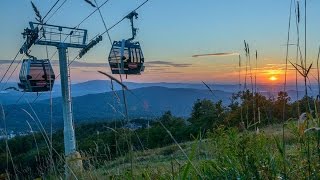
(126, 56)
(62, 38)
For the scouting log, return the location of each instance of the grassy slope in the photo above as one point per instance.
(217, 156)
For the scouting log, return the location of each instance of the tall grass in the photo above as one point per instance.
(281, 154)
(8, 152)
(277, 152)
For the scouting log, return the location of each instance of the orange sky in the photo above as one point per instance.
(215, 70)
(197, 72)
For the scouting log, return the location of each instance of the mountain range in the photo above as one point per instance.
(101, 86)
(96, 101)
(143, 102)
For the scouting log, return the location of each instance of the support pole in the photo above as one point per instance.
(70, 152)
(69, 137)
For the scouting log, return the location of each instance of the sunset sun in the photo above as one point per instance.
(273, 78)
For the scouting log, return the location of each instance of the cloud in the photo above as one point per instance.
(172, 72)
(167, 63)
(161, 70)
(5, 61)
(83, 64)
(279, 64)
(87, 71)
(156, 69)
(217, 54)
(56, 63)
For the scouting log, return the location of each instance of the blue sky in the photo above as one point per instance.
(173, 31)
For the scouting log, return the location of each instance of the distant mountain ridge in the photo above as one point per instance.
(101, 86)
(94, 100)
(143, 102)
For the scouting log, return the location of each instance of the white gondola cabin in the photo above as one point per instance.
(36, 75)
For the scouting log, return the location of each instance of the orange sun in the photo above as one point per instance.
(273, 78)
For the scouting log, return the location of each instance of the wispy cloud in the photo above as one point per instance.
(83, 64)
(87, 71)
(162, 71)
(168, 63)
(56, 63)
(5, 61)
(218, 54)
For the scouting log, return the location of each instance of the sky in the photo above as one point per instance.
(171, 32)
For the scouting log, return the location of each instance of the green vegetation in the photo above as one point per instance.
(215, 142)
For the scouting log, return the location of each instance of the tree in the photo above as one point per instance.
(206, 115)
(282, 106)
(166, 117)
(244, 105)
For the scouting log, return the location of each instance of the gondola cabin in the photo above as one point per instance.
(36, 75)
(129, 61)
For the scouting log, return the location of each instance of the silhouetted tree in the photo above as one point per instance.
(206, 115)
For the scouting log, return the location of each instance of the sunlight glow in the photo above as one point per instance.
(273, 78)
(274, 71)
